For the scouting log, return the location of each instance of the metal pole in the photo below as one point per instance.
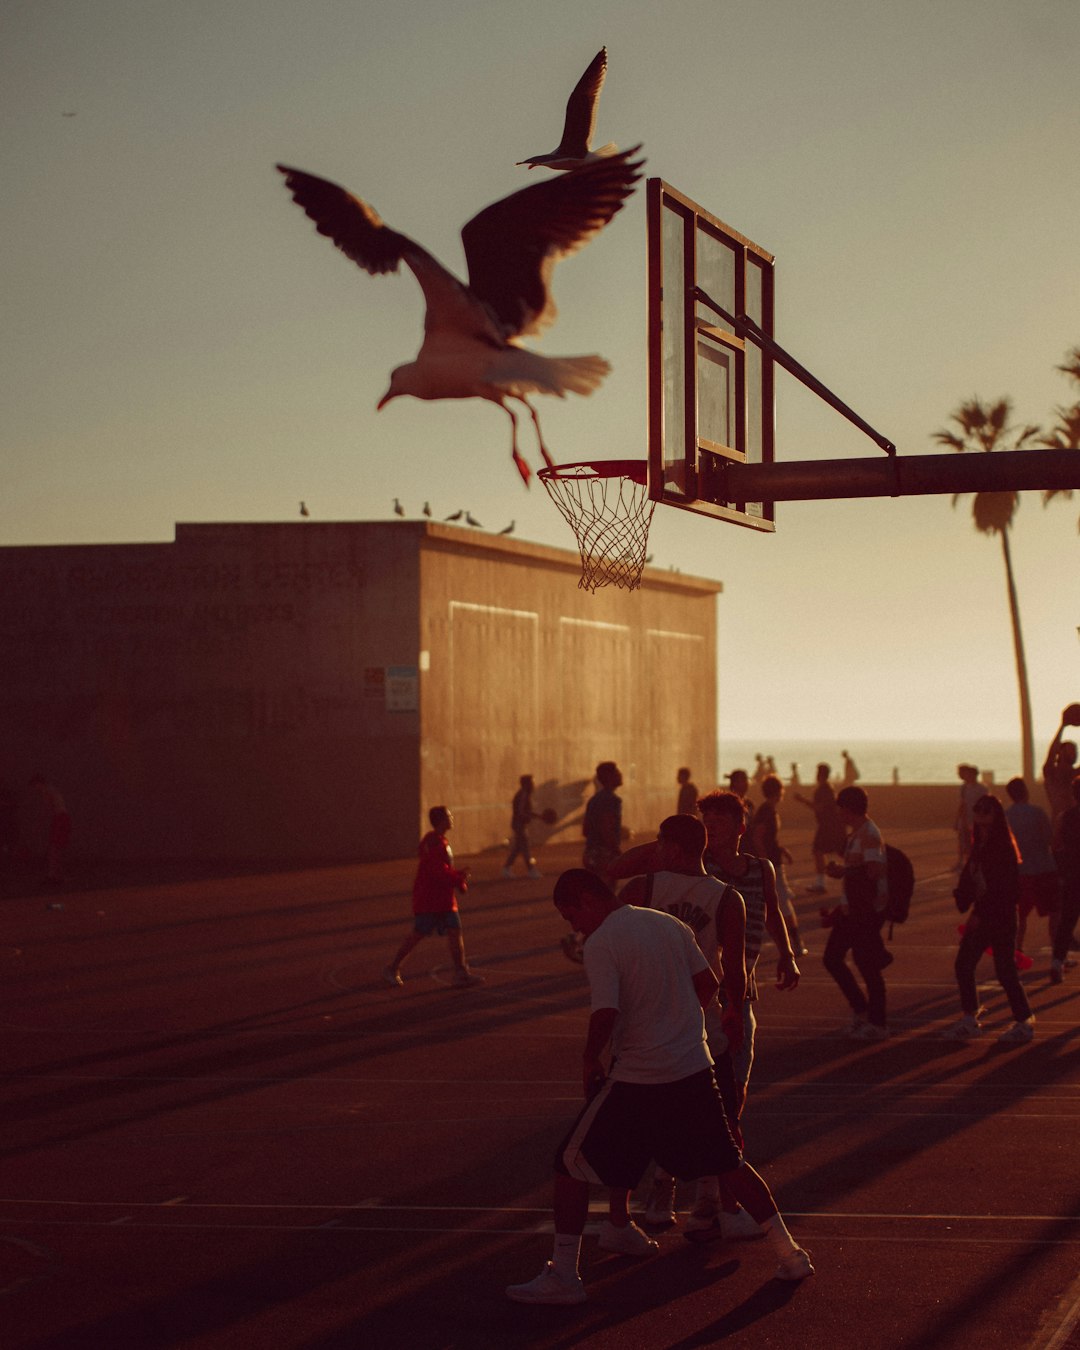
(899, 476)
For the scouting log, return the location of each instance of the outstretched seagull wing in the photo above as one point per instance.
(359, 232)
(513, 245)
(581, 109)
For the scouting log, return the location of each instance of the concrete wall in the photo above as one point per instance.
(305, 691)
(528, 674)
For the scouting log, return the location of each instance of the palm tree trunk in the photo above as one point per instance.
(1027, 737)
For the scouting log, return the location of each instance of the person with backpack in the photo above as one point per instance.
(855, 924)
(989, 891)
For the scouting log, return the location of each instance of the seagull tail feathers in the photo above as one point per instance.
(605, 151)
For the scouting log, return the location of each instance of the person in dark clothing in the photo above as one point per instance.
(989, 887)
(1067, 849)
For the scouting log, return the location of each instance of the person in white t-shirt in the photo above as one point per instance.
(649, 984)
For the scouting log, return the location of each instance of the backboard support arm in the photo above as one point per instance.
(745, 327)
(900, 476)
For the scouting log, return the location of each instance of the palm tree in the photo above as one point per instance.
(1065, 433)
(986, 427)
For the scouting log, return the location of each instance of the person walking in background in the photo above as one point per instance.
(794, 781)
(434, 902)
(59, 835)
(765, 842)
(688, 794)
(657, 1098)
(829, 836)
(855, 924)
(1040, 888)
(851, 770)
(964, 822)
(989, 892)
(739, 783)
(521, 814)
(602, 825)
(1067, 846)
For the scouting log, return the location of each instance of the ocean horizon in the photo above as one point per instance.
(879, 761)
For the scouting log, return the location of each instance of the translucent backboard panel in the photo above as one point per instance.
(710, 389)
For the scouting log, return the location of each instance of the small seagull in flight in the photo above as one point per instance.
(472, 333)
(580, 124)
(303, 510)
(399, 510)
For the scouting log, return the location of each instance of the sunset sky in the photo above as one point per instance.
(179, 345)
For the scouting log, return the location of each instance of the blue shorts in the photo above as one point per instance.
(440, 922)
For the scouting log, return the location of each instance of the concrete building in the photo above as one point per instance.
(305, 691)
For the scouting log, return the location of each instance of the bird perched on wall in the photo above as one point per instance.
(579, 125)
(303, 510)
(471, 520)
(472, 333)
(456, 516)
(399, 510)
(427, 510)
(509, 528)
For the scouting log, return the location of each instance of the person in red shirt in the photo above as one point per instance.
(434, 902)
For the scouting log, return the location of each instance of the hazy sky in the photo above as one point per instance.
(179, 344)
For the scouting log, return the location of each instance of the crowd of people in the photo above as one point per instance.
(672, 960)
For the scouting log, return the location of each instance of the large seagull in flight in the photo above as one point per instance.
(580, 124)
(471, 333)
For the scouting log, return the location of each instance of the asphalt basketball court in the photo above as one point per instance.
(222, 1129)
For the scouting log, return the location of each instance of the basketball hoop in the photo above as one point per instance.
(607, 505)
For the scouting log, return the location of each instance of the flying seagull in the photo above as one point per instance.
(580, 123)
(471, 333)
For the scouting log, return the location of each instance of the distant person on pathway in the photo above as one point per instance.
(1067, 844)
(851, 770)
(59, 835)
(658, 1098)
(521, 814)
(688, 794)
(764, 835)
(794, 781)
(739, 782)
(670, 875)
(964, 823)
(761, 769)
(602, 825)
(1058, 770)
(988, 892)
(1040, 886)
(434, 902)
(830, 835)
(855, 925)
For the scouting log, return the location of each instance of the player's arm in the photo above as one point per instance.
(787, 971)
(601, 1026)
(635, 862)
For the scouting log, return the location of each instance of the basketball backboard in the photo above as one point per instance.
(710, 388)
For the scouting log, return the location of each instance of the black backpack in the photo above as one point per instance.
(900, 877)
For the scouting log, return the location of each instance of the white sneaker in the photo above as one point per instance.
(628, 1241)
(660, 1209)
(392, 976)
(795, 1267)
(466, 979)
(704, 1216)
(548, 1287)
(1019, 1033)
(534, 874)
(967, 1029)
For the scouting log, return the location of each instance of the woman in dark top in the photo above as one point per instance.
(989, 888)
